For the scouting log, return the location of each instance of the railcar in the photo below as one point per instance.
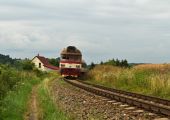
(70, 62)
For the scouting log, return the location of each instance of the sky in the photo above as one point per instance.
(136, 30)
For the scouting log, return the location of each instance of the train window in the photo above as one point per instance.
(77, 66)
(62, 65)
(64, 57)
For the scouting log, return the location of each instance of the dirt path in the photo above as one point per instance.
(32, 113)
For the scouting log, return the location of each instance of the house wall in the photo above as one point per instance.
(48, 69)
(36, 61)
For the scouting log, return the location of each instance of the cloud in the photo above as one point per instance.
(137, 30)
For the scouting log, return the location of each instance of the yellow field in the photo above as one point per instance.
(150, 79)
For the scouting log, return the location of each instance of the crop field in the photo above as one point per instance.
(149, 79)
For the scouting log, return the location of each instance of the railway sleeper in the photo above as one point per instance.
(136, 103)
(155, 109)
(122, 99)
(149, 98)
(130, 100)
(164, 111)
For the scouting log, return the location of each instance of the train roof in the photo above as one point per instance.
(71, 50)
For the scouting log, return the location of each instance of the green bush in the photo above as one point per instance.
(11, 77)
(8, 79)
(27, 65)
(14, 104)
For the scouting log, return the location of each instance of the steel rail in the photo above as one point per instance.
(142, 102)
(137, 95)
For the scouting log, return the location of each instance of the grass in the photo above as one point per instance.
(149, 79)
(14, 105)
(49, 110)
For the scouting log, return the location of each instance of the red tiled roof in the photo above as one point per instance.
(43, 60)
(46, 63)
(51, 67)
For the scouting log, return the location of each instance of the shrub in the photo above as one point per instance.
(27, 65)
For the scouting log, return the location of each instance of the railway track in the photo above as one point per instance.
(156, 105)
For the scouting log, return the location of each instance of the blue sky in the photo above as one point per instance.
(136, 30)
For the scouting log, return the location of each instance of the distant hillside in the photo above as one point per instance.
(134, 64)
(6, 59)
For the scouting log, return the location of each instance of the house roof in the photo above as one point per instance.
(51, 67)
(43, 60)
(46, 63)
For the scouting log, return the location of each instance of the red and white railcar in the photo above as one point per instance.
(70, 62)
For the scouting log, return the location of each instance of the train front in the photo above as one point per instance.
(70, 62)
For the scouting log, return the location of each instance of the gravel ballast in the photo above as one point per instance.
(82, 105)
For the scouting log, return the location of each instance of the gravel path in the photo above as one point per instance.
(82, 105)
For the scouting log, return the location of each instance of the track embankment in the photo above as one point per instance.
(153, 104)
(83, 105)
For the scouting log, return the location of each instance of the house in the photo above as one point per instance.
(42, 64)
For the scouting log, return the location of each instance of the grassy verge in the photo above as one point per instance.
(49, 110)
(146, 79)
(14, 105)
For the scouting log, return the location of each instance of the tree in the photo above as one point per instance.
(27, 65)
(84, 65)
(101, 63)
(92, 65)
(54, 61)
(6, 59)
(125, 63)
(117, 62)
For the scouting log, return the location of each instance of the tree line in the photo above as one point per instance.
(113, 62)
(24, 63)
(6, 59)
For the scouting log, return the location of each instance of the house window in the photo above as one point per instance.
(39, 65)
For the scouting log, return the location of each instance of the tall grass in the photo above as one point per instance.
(15, 87)
(11, 78)
(150, 79)
(49, 110)
(14, 104)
